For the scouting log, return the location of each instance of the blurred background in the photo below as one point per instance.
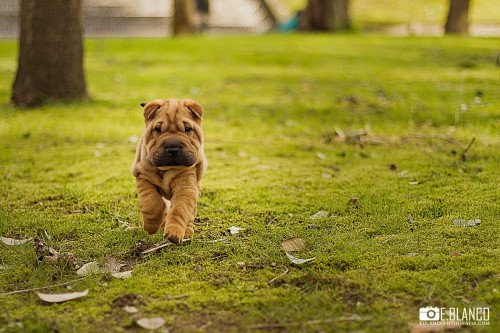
(154, 18)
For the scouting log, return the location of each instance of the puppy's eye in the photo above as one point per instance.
(188, 129)
(158, 128)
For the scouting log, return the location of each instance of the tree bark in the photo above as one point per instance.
(325, 15)
(316, 16)
(458, 18)
(341, 18)
(183, 17)
(50, 66)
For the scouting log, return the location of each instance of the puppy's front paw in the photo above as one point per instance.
(174, 234)
(189, 232)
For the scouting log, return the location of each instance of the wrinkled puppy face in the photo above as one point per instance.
(173, 133)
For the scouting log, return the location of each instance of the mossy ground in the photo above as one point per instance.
(274, 106)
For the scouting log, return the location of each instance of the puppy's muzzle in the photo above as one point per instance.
(174, 151)
(173, 147)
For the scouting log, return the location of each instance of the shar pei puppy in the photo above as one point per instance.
(168, 167)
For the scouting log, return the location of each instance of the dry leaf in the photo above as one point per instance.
(293, 244)
(321, 156)
(150, 323)
(12, 241)
(69, 258)
(43, 251)
(122, 275)
(235, 230)
(88, 269)
(319, 215)
(298, 261)
(112, 265)
(58, 298)
(130, 309)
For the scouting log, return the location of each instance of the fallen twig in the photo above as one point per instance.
(40, 288)
(214, 241)
(162, 245)
(469, 145)
(279, 276)
(156, 248)
(176, 297)
(464, 148)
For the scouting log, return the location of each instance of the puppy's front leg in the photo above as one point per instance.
(152, 205)
(183, 209)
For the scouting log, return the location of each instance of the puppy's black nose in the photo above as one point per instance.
(173, 150)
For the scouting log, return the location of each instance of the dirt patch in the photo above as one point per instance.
(129, 300)
(139, 247)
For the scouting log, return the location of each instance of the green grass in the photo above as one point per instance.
(272, 103)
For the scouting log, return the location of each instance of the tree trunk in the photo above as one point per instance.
(203, 11)
(341, 18)
(325, 15)
(458, 18)
(183, 17)
(50, 66)
(316, 16)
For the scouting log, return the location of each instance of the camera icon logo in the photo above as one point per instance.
(429, 314)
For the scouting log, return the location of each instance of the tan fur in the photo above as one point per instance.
(168, 194)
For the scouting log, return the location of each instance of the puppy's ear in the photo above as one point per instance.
(151, 108)
(194, 107)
